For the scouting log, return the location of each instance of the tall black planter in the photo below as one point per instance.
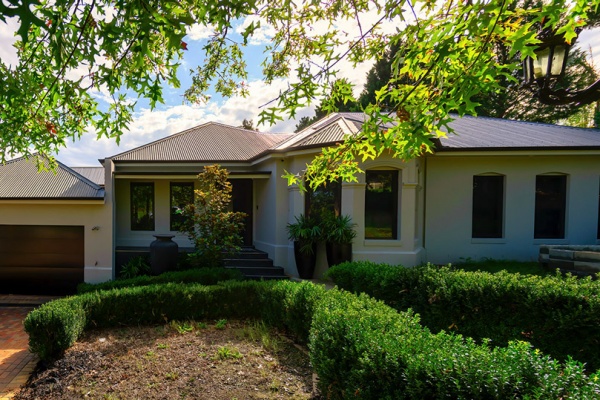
(163, 254)
(305, 263)
(338, 253)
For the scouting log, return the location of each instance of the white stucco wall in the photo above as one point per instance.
(271, 201)
(124, 236)
(89, 214)
(406, 250)
(449, 200)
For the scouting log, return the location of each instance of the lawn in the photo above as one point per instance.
(493, 266)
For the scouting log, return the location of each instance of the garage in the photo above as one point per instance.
(45, 259)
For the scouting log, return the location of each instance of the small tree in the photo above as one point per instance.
(209, 223)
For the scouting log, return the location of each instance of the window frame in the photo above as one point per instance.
(337, 198)
(538, 217)
(172, 227)
(137, 225)
(486, 213)
(395, 203)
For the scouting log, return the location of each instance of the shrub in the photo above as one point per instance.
(204, 276)
(135, 267)
(215, 231)
(360, 347)
(548, 312)
(55, 326)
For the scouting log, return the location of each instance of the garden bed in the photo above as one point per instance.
(219, 360)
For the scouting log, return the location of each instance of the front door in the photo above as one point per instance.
(241, 200)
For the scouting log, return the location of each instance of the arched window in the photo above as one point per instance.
(324, 201)
(381, 204)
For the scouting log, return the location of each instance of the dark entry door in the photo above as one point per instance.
(241, 200)
(42, 259)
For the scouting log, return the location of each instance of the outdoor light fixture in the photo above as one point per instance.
(543, 73)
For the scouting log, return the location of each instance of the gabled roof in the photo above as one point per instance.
(94, 174)
(208, 142)
(20, 179)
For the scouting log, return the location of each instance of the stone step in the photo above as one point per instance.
(250, 253)
(248, 262)
(259, 271)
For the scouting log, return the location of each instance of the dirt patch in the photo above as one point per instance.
(181, 360)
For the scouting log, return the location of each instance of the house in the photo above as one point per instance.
(497, 189)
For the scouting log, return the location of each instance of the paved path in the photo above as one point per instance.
(16, 362)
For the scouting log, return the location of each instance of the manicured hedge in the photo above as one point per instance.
(363, 349)
(359, 347)
(558, 315)
(204, 276)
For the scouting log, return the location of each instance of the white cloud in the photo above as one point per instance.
(589, 40)
(199, 32)
(148, 125)
(8, 54)
(262, 35)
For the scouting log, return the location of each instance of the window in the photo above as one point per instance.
(323, 201)
(488, 206)
(381, 204)
(550, 206)
(182, 194)
(142, 206)
(598, 234)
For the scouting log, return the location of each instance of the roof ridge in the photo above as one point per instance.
(162, 139)
(79, 176)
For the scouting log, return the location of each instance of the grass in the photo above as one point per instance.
(494, 266)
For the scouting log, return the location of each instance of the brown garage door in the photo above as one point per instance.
(41, 258)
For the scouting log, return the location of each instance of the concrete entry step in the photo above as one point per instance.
(254, 264)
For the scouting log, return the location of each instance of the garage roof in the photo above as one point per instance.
(20, 179)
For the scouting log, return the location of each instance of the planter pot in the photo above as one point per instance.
(163, 254)
(305, 263)
(338, 253)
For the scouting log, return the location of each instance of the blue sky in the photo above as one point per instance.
(175, 115)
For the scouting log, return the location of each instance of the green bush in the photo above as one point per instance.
(359, 347)
(136, 266)
(363, 349)
(548, 311)
(55, 326)
(204, 276)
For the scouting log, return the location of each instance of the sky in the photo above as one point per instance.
(175, 115)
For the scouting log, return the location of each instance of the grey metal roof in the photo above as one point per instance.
(329, 134)
(20, 179)
(470, 133)
(482, 133)
(94, 174)
(207, 142)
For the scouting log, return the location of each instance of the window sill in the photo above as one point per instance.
(488, 241)
(551, 241)
(382, 243)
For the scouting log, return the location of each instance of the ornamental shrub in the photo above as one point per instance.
(548, 311)
(209, 223)
(359, 347)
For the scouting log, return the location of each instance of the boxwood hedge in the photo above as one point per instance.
(359, 347)
(558, 315)
(204, 276)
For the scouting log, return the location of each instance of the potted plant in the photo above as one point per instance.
(339, 233)
(305, 233)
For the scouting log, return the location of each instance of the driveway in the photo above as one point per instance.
(16, 362)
